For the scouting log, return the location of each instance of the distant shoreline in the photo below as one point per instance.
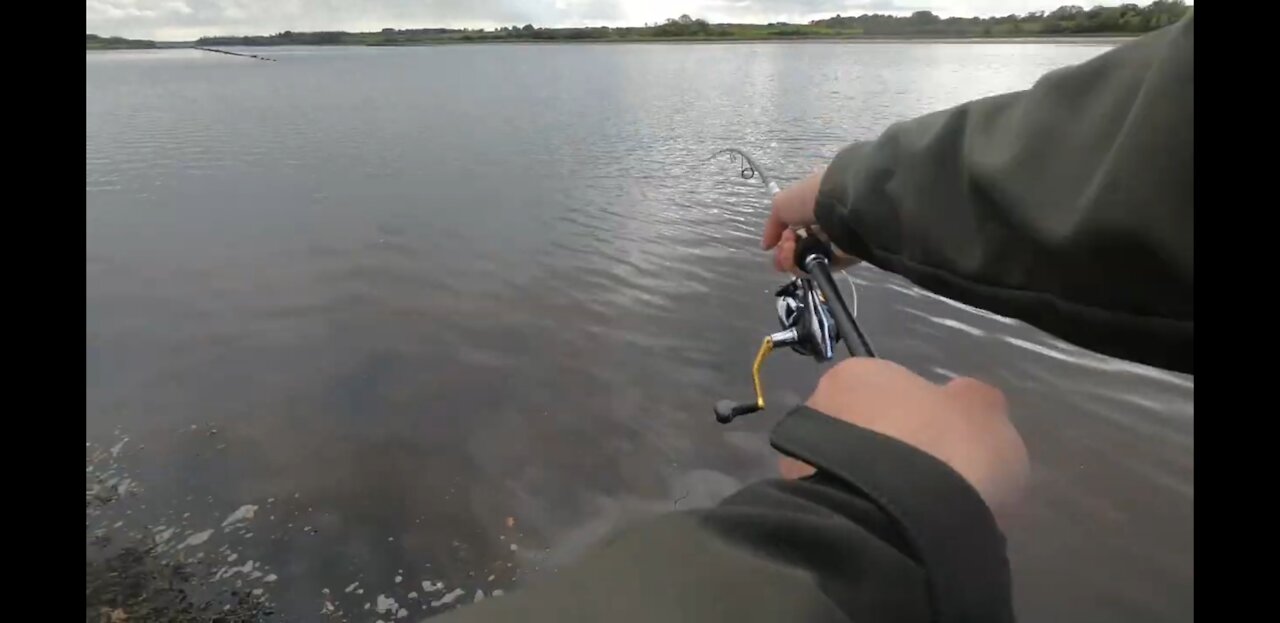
(1047, 39)
(1110, 38)
(1114, 39)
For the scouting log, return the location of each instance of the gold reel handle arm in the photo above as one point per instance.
(727, 410)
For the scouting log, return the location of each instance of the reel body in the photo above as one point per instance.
(813, 316)
(806, 320)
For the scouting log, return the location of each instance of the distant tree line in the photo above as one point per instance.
(1126, 19)
(94, 42)
(288, 37)
(1123, 19)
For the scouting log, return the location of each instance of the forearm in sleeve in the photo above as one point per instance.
(883, 532)
(1068, 206)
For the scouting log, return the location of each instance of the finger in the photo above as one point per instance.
(785, 255)
(793, 469)
(778, 250)
(773, 230)
(786, 249)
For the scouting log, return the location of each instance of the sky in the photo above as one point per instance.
(180, 20)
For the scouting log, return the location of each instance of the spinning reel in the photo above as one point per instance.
(811, 310)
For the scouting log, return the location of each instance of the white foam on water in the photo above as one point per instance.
(386, 604)
(449, 597)
(196, 539)
(227, 572)
(244, 513)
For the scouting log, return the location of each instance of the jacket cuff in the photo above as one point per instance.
(944, 521)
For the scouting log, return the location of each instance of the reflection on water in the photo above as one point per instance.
(457, 312)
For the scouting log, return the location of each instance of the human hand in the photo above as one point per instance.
(964, 423)
(793, 207)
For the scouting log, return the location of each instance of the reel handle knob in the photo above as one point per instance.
(727, 410)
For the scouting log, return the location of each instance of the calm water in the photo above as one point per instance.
(451, 314)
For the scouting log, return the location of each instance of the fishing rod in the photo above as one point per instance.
(811, 310)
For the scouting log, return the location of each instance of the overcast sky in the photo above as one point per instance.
(188, 19)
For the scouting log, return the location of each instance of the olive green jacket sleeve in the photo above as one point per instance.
(1068, 206)
(883, 532)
